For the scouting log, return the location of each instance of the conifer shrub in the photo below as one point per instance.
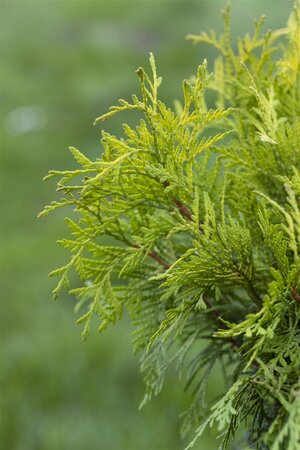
(201, 206)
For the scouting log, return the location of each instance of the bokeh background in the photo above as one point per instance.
(62, 64)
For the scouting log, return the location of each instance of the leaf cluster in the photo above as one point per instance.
(202, 209)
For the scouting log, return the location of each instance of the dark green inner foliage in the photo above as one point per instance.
(201, 206)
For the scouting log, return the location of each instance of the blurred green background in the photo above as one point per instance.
(62, 64)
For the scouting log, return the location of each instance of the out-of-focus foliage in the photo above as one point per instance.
(62, 62)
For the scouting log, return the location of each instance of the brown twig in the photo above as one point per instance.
(295, 295)
(154, 256)
(184, 210)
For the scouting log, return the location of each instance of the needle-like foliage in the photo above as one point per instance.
(202, 206)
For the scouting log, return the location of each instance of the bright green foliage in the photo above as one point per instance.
(203, 206)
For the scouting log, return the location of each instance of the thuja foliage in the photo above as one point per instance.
(202, 208)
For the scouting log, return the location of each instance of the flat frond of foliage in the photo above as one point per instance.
(202, 206)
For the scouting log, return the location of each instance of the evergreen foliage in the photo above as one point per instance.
(203, 208)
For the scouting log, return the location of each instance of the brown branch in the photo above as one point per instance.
(184, 210)
(154, 256)
(295, 295)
